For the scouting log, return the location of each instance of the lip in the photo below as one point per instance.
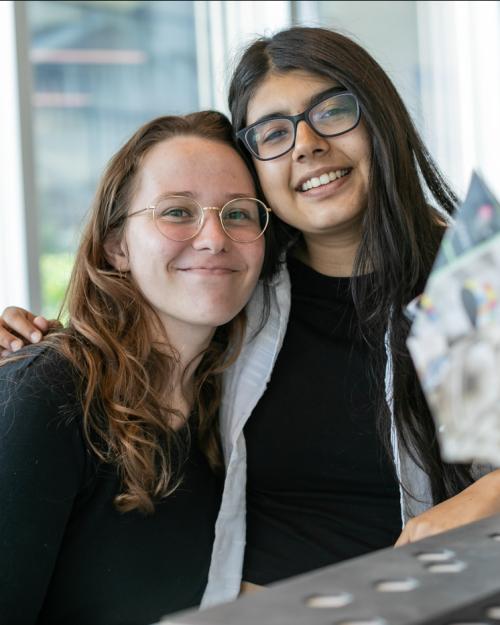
(317, 173)
(209, 271)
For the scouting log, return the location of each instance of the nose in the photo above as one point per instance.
(308, 143)
(211, 237)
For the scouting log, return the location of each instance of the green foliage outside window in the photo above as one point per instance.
(55, 270)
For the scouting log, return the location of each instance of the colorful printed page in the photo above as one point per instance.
(455, 336)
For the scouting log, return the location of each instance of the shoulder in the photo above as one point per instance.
(40, 367)
(44, 460)
(39, 382)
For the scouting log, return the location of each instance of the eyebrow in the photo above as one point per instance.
(315, 99)
(191, 195)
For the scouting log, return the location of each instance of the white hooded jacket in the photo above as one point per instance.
(244, 384)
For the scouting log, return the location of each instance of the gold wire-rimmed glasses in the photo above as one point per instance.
(180, 218)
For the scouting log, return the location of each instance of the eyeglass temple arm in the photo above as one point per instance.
(141, 210)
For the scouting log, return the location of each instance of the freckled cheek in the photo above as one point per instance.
(153, 246)
(254, 258)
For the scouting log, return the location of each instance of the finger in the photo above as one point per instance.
(42, 324)
(20, 322)
(9, 342)
(11, 313)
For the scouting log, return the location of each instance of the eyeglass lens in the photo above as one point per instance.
(180, 218)
(332, 116)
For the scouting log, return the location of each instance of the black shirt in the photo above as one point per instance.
(320, 487)
(67, 556)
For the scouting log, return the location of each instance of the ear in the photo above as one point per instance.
(116, 252)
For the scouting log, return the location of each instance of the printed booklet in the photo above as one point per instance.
(455, 336)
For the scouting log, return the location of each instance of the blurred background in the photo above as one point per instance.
(78, 77)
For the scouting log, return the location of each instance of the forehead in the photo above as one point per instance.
(194, 164)
(183, 149)
(287, 93)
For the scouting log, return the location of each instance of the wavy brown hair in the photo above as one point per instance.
(401, 230)
(110, 339)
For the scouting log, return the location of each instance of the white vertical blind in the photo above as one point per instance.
(224, 29)
(460, 70)
(18, 257)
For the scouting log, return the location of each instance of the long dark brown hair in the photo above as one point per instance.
(111, 335)
(401, 230)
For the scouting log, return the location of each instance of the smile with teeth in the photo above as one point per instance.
(323, 179)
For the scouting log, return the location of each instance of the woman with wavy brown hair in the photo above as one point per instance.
(110, 466)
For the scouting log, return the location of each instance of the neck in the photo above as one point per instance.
(188, 343)
(330, 256)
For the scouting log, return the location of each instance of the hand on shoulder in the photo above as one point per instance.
(19, 327)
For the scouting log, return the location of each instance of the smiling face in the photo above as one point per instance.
(203, 282)
(321, 185)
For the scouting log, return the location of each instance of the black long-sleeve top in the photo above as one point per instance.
(320, 488)
(67, 556)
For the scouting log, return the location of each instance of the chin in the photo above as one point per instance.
(221, 320)
(213, 318)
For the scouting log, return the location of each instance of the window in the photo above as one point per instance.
(80, 77)
(100, 69)
(444, 58)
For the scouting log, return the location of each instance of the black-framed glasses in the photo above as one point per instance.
(336, 114)
(181, 218)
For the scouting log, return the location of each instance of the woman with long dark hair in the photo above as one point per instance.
(329, 445)
(110, 464)
(340, 446)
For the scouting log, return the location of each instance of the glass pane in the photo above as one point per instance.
(100, 69)
(444, 58)
(389, 31)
